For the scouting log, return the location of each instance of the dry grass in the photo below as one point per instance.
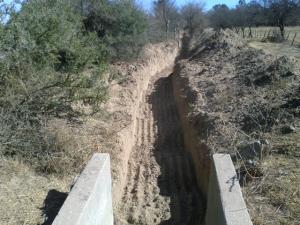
(279, 49)
(73, 144)
(26, 183)
(275, 198)
(23, 193)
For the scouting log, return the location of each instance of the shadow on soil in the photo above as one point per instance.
(177, 180)
(52, 205)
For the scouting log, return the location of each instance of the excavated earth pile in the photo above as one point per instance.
(226, 83)
(239, 100)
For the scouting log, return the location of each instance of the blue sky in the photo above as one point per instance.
(208, 3)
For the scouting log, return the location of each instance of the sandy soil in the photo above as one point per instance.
(161, 184)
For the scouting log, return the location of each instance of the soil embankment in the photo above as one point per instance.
(198, 150)
(239, 100)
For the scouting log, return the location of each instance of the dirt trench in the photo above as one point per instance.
(161, 183)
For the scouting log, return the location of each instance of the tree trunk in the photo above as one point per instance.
(281, 27)
(167, 29)
(166, 21)
(243, 31)
(237, 30)
(81, 6)
(250, 32)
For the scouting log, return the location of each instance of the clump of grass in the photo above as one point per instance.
(275, 198)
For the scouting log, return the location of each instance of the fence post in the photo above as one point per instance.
(268, 34)
(264, 35)
(294, 39)
(287, 37)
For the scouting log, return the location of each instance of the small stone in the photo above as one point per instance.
(251, 150)
(283, 173)
(265, 142)
(251, 163)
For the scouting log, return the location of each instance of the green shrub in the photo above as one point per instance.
(120, 24)
(45, 53)
(44, 47)
(53, 58)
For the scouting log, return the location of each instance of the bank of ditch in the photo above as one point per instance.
(242, 101)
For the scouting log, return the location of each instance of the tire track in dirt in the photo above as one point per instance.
(161, 184)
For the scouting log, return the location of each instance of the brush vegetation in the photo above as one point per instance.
(54, 55)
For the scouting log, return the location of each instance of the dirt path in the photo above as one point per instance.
(161, 185)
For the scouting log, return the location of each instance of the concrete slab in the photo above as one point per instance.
(225, 203)
(90, 200)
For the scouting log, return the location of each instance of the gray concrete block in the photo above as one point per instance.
(225, 203)
(90, 200)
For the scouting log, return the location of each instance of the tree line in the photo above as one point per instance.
(275, 13)
(246, 14)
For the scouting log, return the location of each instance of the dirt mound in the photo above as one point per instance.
(226, 82)
(211, 41)
(238, 96)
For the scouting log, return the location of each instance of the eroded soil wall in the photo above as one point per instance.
(128, 100)
(192, 142)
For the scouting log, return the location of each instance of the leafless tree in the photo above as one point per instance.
(219, 17)
(193, 16)
(280, 10)
(165, 11)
